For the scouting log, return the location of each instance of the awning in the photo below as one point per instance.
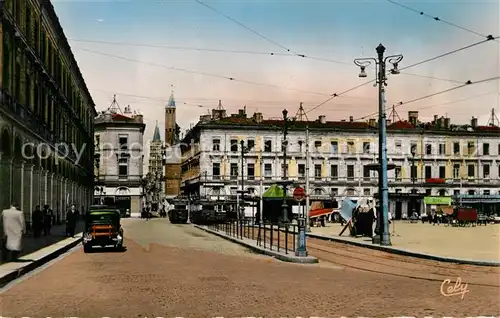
(437, 200)
(468, 198)
(447, 210)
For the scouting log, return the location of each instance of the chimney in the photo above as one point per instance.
(372, 122)
(447, 123)
(413, 117)
(473, 122)
(351, 119)
(258, 117)
(322, 119)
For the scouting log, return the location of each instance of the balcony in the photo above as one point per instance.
(119, 180)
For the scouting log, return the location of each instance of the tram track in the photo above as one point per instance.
(364, 259)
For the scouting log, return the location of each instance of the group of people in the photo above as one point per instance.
(14, 227)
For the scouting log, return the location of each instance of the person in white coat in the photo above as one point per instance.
(13, 230)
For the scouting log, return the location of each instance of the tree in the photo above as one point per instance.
(177, 132)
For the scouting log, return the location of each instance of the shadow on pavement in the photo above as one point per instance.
(108, 250)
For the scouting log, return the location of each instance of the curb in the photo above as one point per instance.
(260, 250)
(15, 274)
(399, 251)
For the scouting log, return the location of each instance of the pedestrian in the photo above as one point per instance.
(71, 218)
(47, 220)
(37, 219)
(13, 229)
(148, 213)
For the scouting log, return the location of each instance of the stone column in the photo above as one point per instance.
(51, 192)
(4, 182)
(27, 201)
(17, 182)
(35, 186)
(45, 186)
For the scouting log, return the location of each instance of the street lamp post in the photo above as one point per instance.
(413, 176)
(285, 182)
(381, 80)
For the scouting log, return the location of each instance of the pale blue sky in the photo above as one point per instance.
(336, 30)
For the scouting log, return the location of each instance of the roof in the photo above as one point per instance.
(156, 134)
(171, 101)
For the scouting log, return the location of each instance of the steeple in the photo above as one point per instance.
(156, 135)
(171, 100)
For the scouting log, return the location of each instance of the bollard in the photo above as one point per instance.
(301, 239)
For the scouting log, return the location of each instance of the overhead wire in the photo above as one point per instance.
(436, 18)
(200, 73)
(169, 47)
(334, 95)
(468, 83)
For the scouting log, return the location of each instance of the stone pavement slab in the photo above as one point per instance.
(474, 245)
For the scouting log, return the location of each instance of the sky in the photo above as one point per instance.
(331, 34)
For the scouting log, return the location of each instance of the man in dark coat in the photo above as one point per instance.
(37, 219)
(71, 218)
(47, 220)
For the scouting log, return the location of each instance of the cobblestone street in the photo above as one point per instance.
(176, 270)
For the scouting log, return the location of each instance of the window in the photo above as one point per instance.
(470, 148)
(300, 142)
(123, 142)
(215, 144)
(268, 146)
(428, 149)
(318, 191)
(486, 149)
(456, 192)
(366, 192)
(442, 149)
(366, 147)
(234, 145)
(471, 192)
(216, 170)
(486, 171)
(442, 192)
(284, 170)
(413, 148)
(471, 171)
(284, 144)
(317, 171)
(334, 171)
(250, 144)
(413, 172)
(302, 171)
(350, 172)
(456, 148)
(397, 173)
(335, 147)
(334, 191)
(428, 172)
(366, 173)
(122, 171)
(350, 147)
(234, 170)
(97, 141)
(486, 192)
(122, 161)
(268, 171)
(456, 171)
(251, 171)
(317, 144)
(442, 172)
(398, 146)
(498, 150)
(428, 192)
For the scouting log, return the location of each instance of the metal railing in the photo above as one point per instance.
(271, 236)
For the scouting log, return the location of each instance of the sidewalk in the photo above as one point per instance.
(58, 233)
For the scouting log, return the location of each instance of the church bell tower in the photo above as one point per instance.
(170, 121)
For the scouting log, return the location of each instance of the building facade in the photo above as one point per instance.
(172, 160)
(430, 159)
(46, 113)
(155, 165)
(119, 159)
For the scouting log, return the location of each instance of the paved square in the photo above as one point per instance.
(476, 243)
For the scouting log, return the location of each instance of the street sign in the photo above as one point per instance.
(299, 194)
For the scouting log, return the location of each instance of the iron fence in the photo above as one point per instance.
(280, 237)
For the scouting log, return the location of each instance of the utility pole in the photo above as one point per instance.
(261, 189)
(307, 207)
(285, 182)
(381, 80)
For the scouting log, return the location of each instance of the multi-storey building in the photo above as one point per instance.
(429, 159)
(119, 158)
(46, 113)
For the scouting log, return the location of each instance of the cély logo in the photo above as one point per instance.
(448, 289)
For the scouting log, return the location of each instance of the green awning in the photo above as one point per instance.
(437, 200)
(274, 192)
